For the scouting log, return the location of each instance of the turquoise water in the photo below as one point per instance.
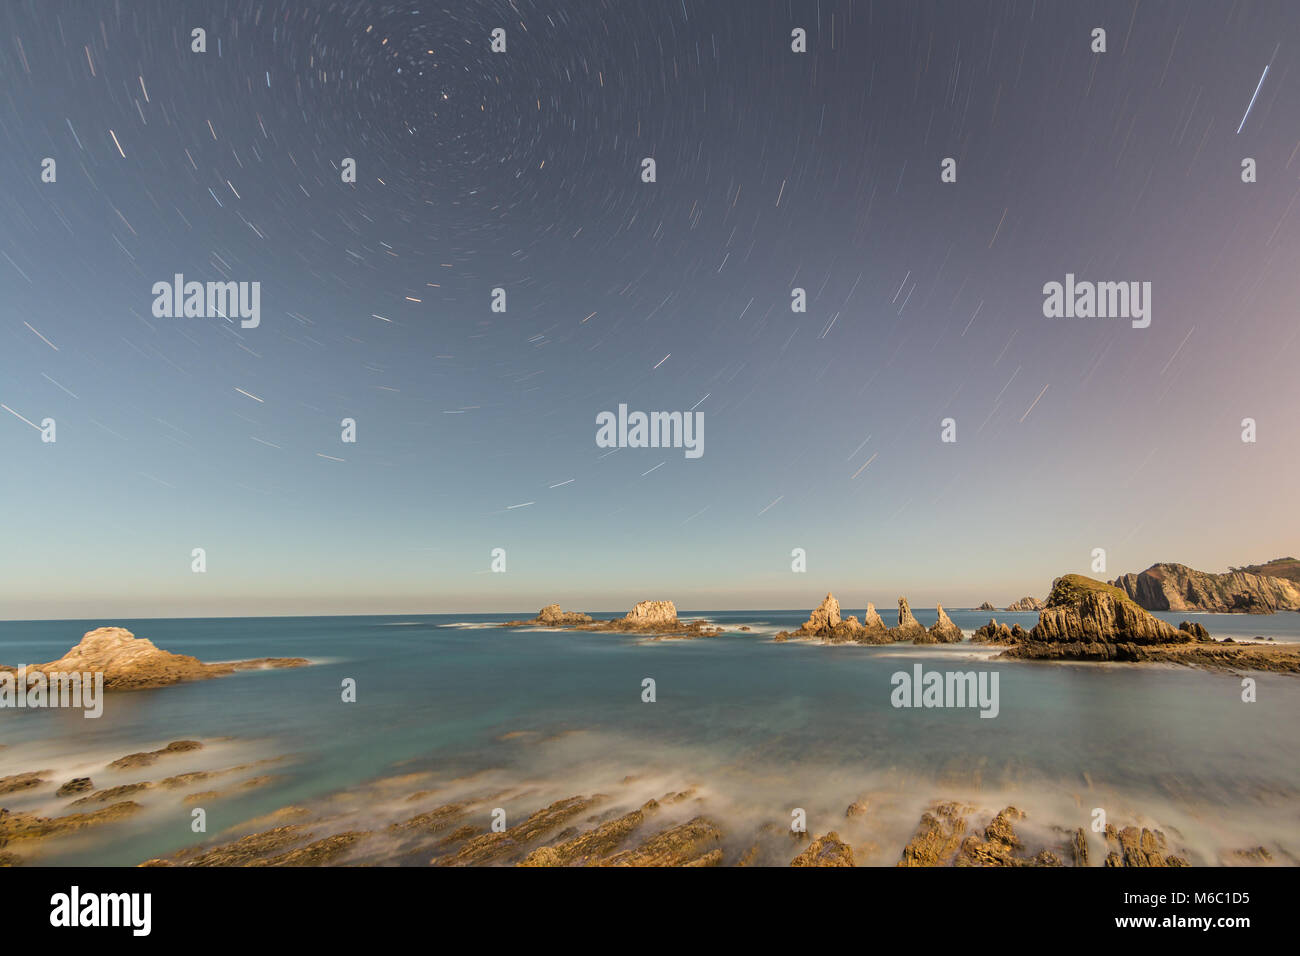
(762, 726)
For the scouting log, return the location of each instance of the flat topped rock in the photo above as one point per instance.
(653, 613)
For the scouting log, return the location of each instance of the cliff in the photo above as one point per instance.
(1176, 587)
(1027, 604)
(1081, 610)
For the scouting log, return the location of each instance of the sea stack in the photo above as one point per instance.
(824, 617)
(1082, 610)
(653, 614)
(944, 631)
(909, 628)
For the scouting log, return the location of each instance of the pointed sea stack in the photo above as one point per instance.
(874, 630)
(909, 628)
(944, 631)
(824, 618)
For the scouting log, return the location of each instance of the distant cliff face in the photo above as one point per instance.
(1027, 604)
(1176, 587)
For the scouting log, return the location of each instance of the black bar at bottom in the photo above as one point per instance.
(336, 904)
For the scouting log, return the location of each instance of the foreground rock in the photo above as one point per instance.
(15, 827)
(600, 830)
(942, 839)
(1139, 847)
(1000, 846)
(271, 848)
(507, 844)
(828, 850)
(658, 618)
(75, 786)
(1176, 587)
(22, 781)
(150, 757)
(134, 663)
(693, 843)
(593, 846)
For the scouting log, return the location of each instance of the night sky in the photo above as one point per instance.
(522, 170)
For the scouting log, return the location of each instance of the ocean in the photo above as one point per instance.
(759, 728)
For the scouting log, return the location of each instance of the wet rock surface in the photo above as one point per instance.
(15, 783)
(15, 827)
(1133, 846)
(76, 785)
(149, 758)
(675, 829)
(828, 850)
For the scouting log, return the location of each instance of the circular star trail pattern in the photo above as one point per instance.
(521, 171)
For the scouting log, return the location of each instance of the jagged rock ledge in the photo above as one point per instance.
(826, 623)
(656, 618)
(135, 663)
